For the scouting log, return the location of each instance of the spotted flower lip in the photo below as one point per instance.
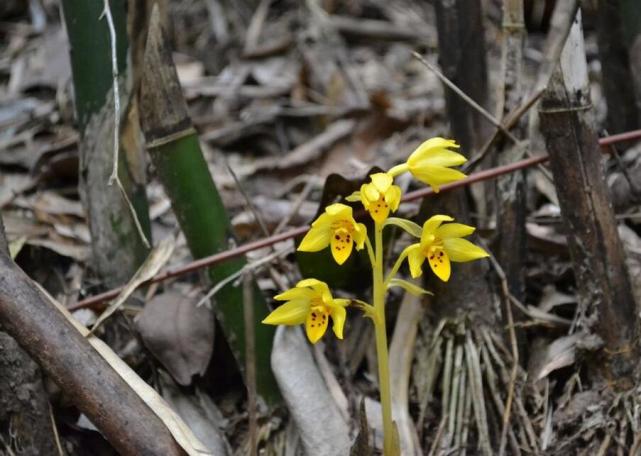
(440, 244)
(379, 197)
(432, 163)
(310, 302)
(336, 228)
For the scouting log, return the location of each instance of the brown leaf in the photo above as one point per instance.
(179, 334)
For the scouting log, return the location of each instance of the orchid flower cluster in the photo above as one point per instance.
(439, 241)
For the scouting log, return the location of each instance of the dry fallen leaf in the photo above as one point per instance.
(178, 333)
(156, 260)
(322, 429)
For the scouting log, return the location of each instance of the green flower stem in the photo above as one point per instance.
(370, 251)
(398, 169)
(395, 268)
(381, 342)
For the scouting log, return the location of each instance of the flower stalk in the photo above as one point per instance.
(381, 342)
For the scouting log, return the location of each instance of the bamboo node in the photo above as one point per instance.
(513, 26)
(585, 107)
(171, 137)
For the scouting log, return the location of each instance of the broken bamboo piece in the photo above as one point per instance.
(175, 152)
(606, 303)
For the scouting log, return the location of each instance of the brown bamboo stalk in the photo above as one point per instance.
(511, 188)
(606, 303)
(462, 58)
(70, 361)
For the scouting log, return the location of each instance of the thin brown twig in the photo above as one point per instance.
(509, 298)
(493, 120)
(296, 232)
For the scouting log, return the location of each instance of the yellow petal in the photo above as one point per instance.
(415, 258)
(382, 181)
(290, 313)
(323, 220)
(438, 157)
(393, 197)
(454, 230)
(429, 147)
(341, 302)
(436, 176)
(432, 223)
(339, 210)
(338, 317)
(440, 264)
(360, 233)
(316, 323)
(379, 211)
(319, 288)
(342, 244)
(317, 238)
(295, 293)
(462, 250)
(370, 192)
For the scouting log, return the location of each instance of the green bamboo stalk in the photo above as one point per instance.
(175, 152)
(117, 246)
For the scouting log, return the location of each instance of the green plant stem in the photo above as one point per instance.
(381, 342)
(396, 267)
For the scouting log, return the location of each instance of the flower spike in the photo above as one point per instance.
(310, 302)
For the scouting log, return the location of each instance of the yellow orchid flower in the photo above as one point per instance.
(379, 197)
(441, 244)
(431, 163)
(337, 228)
(310, 302)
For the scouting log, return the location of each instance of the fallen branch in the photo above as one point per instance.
(70, 361)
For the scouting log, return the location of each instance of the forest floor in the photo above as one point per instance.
(284, 96)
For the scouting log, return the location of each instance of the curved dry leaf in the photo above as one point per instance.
(178, 333)
(322, 429)
(156, 259)
(558, 354)
(200, 414)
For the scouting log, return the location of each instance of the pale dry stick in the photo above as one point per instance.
(447, 375)
(433, 367)
(467, 418)
(515, 352)
(56, 434)
(481, 110)
(454, 395)
(476, 385)
(302, 197)
(491, 342)
(462, 393)
(263, 226)
(636, 445)
(492, 383)
(250, 361)
(438, 436)
(106, 12)
(256, 26)
(116, 91)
